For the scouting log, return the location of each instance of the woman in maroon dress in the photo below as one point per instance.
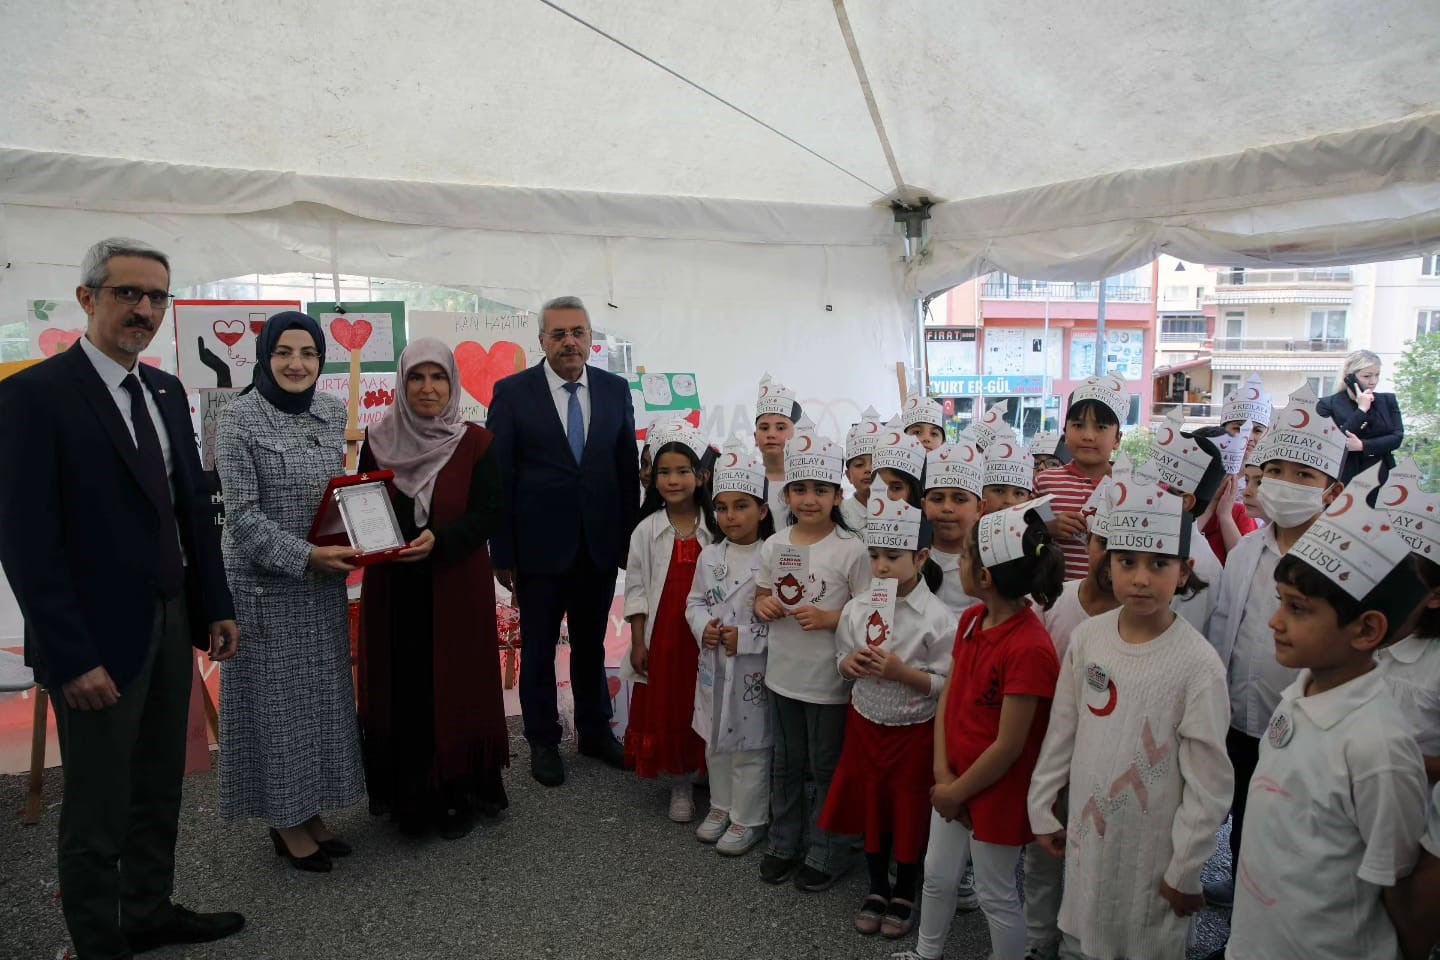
(431, 706)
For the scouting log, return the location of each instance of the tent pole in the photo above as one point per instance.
(914, 220)
(1100, 331)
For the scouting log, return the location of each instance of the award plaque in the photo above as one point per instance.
(356, 512)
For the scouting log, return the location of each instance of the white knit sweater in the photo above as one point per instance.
(1138, 732)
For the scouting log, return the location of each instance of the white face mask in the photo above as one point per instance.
(1290, 504)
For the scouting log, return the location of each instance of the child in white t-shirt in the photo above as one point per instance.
(898, 465)
(953, 480)
(859, 448)
(800, 593)
(776, 414)
(1337, 802)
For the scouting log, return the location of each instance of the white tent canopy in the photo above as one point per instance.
(720, 174)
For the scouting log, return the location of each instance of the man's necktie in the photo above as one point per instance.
(575, 422)
(157, 485)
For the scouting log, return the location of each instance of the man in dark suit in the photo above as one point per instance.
(108, 537)
(565, 443)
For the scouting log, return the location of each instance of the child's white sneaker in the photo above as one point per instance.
(739, 840)
(965, 898)
(712, 828)
(682, 801)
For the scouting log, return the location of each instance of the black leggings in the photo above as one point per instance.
(907, 875)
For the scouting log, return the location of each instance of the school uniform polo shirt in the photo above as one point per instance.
(1256, 677)
(1336, 811)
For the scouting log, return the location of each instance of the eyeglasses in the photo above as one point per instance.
(308, 354)
(159, 299)
(558, 336)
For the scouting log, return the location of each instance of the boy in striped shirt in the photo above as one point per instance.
(1092, 433)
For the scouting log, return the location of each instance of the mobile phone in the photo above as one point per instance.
(1353, 385)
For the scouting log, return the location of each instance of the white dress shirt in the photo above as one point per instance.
(561, 396)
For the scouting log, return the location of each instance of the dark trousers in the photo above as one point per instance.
(1244, 751)
(808, 741)
(583, 595)
(123, 766)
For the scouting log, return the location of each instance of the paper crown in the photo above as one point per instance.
(1145, 518)
(924, 410)
(898, 450)
(739, 471)
(988, 424)
(811, 457)
(1108, 390)
(1248, 402)
(1008, 462)
(1051, 443)
(957, 466)
(677, 431)
(1001, 535)
(863, 436)
(1184, 462)
(1096, 510)
(1353, 544)
(776, 398)
(1259, 453)
(1413, 513)
(1301, 435)
(1233, 447)
(895, 524)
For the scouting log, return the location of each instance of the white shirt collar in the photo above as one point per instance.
(1329, 708)
(557, 382)
(1267, 537)
(1409, 650)
(110, 372)
(916, 597)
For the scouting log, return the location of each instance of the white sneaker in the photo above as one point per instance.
(965, 899)
(712, 828)
(682, 801)
(739, 840)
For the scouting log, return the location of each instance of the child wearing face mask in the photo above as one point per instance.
(1302, 459)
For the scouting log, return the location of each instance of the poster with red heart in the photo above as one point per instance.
(376, 329)
(54, 325)
(377, 394)
(215, 339)
(488, 347)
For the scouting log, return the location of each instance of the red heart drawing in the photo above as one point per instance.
(53, 341)
(228, 332)
(614, 685)
(351, 336)
(480, 369)
(595, 347)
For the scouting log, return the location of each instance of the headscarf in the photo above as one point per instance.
(265, 345)
(416, 448)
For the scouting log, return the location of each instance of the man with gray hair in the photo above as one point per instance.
(565, 443)
(108, 539)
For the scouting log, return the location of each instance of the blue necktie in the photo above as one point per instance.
(575, 422)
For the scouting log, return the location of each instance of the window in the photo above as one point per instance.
(1232, 330)
(1427, 321)
(1322, 385)
(1430, 265)
(1177, 293)
(1229, 383)
(1327, 324)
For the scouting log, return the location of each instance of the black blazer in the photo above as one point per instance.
(548, 499)
(1380, 429)
(79, 535)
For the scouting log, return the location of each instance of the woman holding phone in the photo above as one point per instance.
(1371, 421)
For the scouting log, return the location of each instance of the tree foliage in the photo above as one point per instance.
(1417, 388)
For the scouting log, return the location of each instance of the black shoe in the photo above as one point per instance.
(606, 749)
(335, 847)
(455, 824)
(778, 869)
(317, 862)
(185, 926)
(1219, 893)
(811, 880)
(546, 765)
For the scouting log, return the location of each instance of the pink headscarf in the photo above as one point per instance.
(417, 448)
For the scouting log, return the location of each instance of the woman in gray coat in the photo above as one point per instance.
(289, 739)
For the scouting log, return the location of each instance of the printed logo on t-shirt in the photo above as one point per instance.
(992, 696)
(1101, 695)
(1282, 729)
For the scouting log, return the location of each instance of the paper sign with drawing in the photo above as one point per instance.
(215, 339)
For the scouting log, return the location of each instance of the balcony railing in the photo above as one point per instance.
(1011, 288)
(1269, 345)
(1246, 277)
(1187, 330)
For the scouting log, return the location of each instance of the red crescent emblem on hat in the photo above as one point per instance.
(877, 506)
(870, 426)
(765, 391)
(1404, 492)
(1345, 502)
(1304, 420)
(968, 452)
(1120, 485)
(1254, 393)
(893, 440)
(807, 440)
(1169, 436)
(731, 459)
(1007, 451)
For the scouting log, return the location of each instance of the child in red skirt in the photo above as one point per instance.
(676, 523)
(990, 725)
(899, 656)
